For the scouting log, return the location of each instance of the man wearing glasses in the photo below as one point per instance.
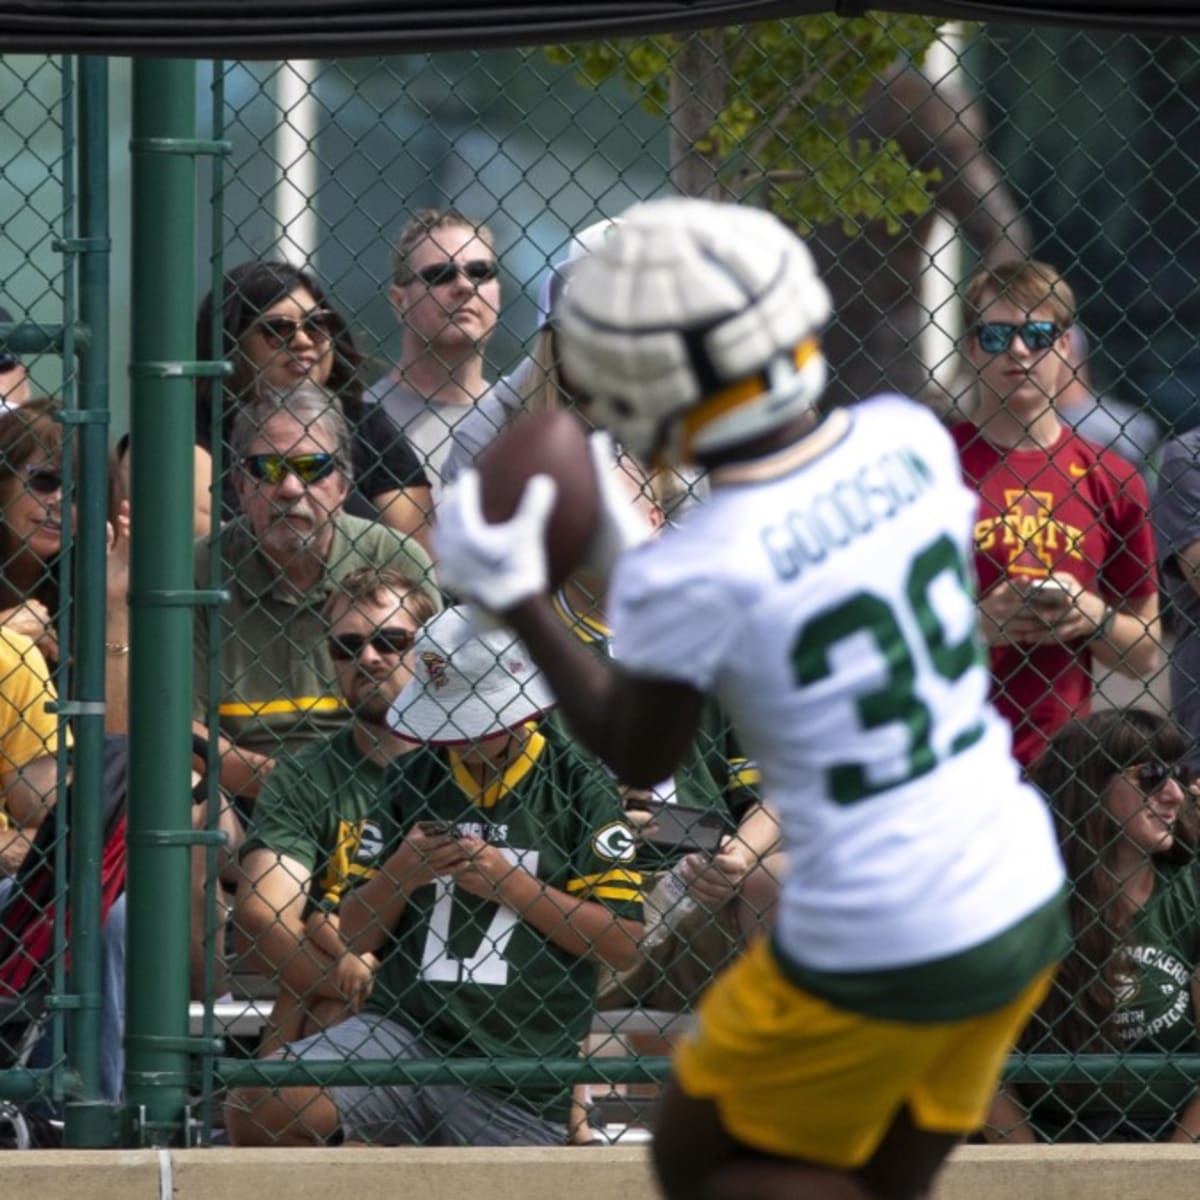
(315, 830)
(1063, 545)
(504, 877)
(282, 559)
(446, 296)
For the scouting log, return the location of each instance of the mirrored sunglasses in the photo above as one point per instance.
(995, 337)
(272, 468)
(347, 647)
(318, 326)
(1148, 777)
(477, 271)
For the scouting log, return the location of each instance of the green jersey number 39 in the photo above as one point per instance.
(896, 701)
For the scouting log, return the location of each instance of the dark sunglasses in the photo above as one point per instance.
(1148, 777)
(317, 325)
(478, 270)
(348, 646)
(43, 481)
(995, 337)
(272, 468)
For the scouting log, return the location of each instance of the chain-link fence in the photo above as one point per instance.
(463, 930)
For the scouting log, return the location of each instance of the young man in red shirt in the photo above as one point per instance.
(1063, 544)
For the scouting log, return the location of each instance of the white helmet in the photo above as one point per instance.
(692, 326)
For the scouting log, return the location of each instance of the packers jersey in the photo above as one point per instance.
(467, 974)
(319, 808)
(824, 596)
(713, 775)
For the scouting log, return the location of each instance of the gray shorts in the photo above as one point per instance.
(397, 1115)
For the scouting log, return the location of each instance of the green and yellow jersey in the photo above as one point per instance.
(320, 807)
(467, 974)
(714, 774)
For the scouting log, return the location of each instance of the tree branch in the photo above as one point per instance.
(796, 97)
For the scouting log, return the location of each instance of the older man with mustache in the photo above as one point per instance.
(281, 561)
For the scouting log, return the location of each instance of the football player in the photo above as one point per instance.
(823, 594)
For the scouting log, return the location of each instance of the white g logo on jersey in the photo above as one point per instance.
(615, 842)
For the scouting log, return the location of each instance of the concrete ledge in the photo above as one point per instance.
(81, 1174)
(1075, 1172)
(598, 1173)
(974, 1173)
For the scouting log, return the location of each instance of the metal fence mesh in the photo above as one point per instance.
(384, 233)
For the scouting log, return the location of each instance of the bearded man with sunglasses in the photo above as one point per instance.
(1063, 545)
(446, 297)
(282, 559)
(315, 830)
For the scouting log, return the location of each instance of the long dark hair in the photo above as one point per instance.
(247, 291)
(1074, 772)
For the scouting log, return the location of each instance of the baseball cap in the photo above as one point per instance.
(467, 683)
(8, 359)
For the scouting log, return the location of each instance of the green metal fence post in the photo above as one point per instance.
(162, 409)
(90, 1121)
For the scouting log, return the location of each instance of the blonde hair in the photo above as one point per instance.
(424, 223)
(1027, 283)
(540, 386)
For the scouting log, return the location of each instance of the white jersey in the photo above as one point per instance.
(824, 596)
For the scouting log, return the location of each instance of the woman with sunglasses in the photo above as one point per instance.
(1064, 552)
(31, 520)
(279, 328)
(1125, 813)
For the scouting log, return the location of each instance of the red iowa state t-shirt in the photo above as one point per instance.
(1073, 508)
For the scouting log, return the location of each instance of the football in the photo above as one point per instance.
(553, 443)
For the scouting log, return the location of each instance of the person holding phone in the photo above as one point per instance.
(1064, 551)
(711, 858)
(505, 875)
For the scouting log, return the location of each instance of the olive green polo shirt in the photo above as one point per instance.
(278, 688)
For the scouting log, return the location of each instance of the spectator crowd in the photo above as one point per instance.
(421, 863)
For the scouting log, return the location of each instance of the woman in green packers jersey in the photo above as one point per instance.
(1126, 818)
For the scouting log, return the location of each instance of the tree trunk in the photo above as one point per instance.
(698, 87)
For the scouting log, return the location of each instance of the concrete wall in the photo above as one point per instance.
(975, 1173)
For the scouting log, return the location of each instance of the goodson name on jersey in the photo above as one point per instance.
(845, 512)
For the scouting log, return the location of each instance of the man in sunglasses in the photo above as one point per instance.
(1064, 551)
(282, 559)
(506, 875)
(446, 297)
(315, 830)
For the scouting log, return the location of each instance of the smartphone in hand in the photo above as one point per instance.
(681, 827)
(1048, 592)
(438, 828)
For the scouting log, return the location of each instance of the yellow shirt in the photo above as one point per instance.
(27, 730)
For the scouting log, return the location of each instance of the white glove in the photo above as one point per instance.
(495, 566)
(619, 524)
